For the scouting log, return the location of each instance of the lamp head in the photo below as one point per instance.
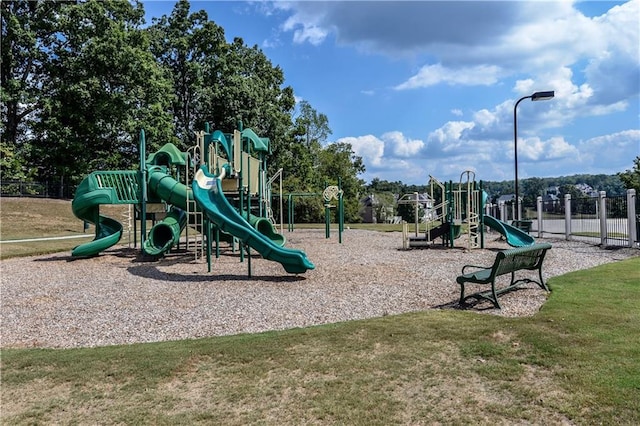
(543, 96)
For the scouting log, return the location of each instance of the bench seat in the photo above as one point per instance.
(506, 262)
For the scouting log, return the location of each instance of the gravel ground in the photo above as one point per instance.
(120, 298)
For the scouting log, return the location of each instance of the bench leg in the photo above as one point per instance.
(493, 298)
(542, 283)
(495, 295)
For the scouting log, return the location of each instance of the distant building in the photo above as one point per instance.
(587, 190)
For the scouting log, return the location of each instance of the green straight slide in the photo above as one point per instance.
(207, 191)
(514, 236)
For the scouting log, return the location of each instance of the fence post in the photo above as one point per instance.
(503, 211)
(631, 217)
(603, 217)
(539, 212)
(567, 216)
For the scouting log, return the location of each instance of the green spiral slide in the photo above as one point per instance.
(111, 187)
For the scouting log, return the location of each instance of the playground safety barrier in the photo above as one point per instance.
(607, 221)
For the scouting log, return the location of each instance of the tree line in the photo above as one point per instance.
(81, 78)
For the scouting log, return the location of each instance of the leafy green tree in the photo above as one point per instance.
(188, 47)
(338, 163)
(631, 178)
(28, 31)
(377, 186)
(82, 83)
(531, 189)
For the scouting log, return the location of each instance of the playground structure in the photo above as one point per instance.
(460, 211)
(215, 188)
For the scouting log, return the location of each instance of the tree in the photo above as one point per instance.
(188, 47)
(338, 162)
(532, 188)
(631, 178)
(221, 83)
(80, 83)
(28, 30)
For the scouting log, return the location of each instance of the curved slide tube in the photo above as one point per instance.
(207, 190)
(86, 206)
(514, 236)
(166, 233)
(265, 227)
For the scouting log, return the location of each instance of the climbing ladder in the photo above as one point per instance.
(195, 218)
(467, 207)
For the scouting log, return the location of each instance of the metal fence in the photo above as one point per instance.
(18, 188)
(607, 221)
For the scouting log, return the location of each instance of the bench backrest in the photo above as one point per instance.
(512, 260)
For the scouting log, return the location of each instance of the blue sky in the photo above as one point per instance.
(423, 88)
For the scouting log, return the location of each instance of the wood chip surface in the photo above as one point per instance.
(120, 297)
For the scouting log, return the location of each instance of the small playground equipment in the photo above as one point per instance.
(330, 193)
(164, 190)
(333, 193)
(437, 219)
(461, 209)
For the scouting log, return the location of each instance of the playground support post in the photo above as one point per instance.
(481, 213)
(143, 188)
(340, 211)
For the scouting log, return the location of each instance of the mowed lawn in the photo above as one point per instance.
(577, 361)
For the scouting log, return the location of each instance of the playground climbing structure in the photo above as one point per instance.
(163, 190)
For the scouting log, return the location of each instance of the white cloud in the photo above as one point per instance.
(402, 146)
(305, 23)
(430, 75)
(448, 136)
(592, 64)
(615, 150)
(535, 149)
(369, 147)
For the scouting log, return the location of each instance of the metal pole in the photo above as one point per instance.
(516, 212)
(567, 216)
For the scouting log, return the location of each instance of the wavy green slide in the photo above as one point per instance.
(207, 190)
(102, 188)
(514, 236)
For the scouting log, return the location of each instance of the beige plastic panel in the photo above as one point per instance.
(250, 172)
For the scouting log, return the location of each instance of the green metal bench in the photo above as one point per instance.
(506, 262)
(523, 225)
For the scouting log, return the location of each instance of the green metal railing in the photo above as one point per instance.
(125, 184)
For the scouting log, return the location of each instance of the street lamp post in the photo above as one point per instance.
(537, 96)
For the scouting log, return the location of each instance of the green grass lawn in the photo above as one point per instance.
(577, 361)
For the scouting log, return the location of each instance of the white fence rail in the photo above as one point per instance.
(613, 221)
